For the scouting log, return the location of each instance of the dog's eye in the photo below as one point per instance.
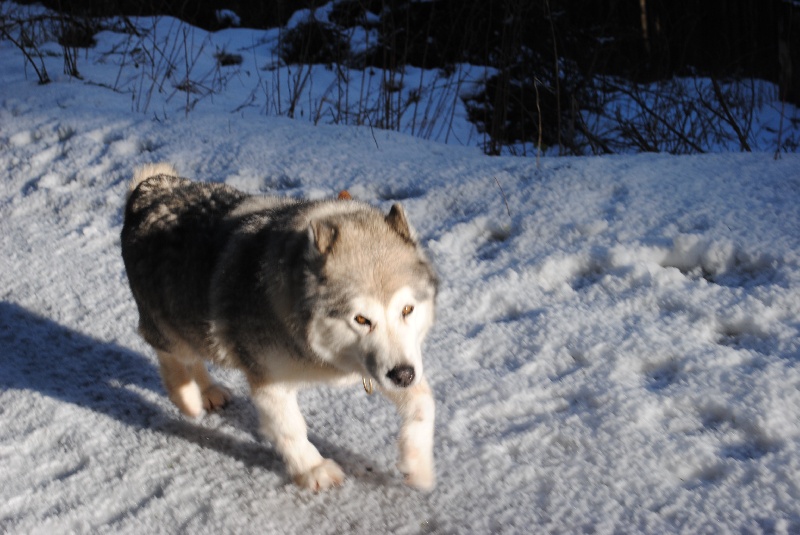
(361, 320)
(408, 309)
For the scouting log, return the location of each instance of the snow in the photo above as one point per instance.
(616, 347)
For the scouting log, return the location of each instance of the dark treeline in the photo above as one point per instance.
(642, 39)
(553, 58)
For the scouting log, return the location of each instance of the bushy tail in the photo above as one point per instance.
(150, 169)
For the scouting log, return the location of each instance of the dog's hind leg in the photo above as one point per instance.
(215, 396)
(188, 384)
(178, 378)
(283, 424)
(416, 407)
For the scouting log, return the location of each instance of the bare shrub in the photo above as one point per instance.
(26, 31)
(314, 42)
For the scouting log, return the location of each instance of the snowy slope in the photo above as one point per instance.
(616, 349)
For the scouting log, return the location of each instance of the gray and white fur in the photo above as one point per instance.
(290, 292)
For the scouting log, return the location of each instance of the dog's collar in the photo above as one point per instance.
(367, 385)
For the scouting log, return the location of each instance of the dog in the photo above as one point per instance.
(290, 292)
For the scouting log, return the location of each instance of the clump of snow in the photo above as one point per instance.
(691, 252)
(616, 347)
(227, 17)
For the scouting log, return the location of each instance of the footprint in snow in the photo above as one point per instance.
(721, 262)
(661, 375)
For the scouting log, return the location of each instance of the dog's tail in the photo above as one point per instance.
(150, 169)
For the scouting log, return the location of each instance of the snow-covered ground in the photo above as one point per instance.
(616, 350)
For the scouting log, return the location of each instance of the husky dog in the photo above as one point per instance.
(291, 293)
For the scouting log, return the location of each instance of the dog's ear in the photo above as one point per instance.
(323, 235)
(396, 219)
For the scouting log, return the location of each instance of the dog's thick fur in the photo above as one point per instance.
(289, 292)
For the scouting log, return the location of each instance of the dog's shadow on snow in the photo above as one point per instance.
(38, 354)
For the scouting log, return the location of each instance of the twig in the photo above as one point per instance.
(372, 130)
(777, 155)
(657, 118)
(539, 116)
(728, 116)
(556, 72)
(42, 75)
(503, 193)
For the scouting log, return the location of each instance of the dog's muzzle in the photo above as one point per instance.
(401, 376)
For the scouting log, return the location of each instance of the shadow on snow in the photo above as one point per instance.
(40, 355)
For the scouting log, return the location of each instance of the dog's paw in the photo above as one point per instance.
(325, 475)
(188, 399)
(215, 397)
(418, 470)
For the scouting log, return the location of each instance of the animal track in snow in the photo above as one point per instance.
(495, 242)
(400, 193)
(578, 271)
(745, 333)
(748, 450)
(115, 142)
(591, 275)
(661, 375)
(720, 262)
(579, 361)
(721, 438)
(741, 439)
(281, 182)
(620, 197)
(480, 239)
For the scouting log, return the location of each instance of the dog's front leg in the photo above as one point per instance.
(283, 424)
(416, 407)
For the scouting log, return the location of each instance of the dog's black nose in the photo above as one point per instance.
(402, 376)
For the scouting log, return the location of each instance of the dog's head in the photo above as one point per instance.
(374, 295)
